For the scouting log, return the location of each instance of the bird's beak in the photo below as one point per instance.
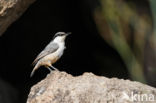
(68, 33)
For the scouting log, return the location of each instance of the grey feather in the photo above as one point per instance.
(50, 48)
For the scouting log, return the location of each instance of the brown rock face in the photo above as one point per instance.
(10, 10)
(60, 87)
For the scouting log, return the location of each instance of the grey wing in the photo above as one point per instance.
(50, 48)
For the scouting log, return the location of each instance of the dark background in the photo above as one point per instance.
(26, 37)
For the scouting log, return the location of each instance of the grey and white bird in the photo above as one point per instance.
(52, 52)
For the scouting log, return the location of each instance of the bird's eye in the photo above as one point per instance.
(61, 34)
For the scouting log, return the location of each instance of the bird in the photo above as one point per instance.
(51, 53)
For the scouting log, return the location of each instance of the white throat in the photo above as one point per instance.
(59, 39)
(61, 42)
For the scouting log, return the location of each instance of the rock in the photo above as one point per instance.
(11, 10)
(60, 87)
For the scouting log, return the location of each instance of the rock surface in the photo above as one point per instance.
(10, 10)
(60, 87)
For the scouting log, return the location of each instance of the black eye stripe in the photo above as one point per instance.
(61, 34)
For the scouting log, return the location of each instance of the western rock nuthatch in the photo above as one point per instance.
(52, 52)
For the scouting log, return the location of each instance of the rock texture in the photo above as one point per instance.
(10, 10)
(60, 87)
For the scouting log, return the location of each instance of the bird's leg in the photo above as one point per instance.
(49, 69)
(53, 67)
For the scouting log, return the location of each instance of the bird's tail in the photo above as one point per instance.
(34, 69)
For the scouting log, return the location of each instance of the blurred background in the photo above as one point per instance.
(112, 38)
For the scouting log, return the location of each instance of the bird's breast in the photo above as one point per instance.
(53, 57)
(56, 55)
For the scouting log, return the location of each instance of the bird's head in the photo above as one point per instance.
(60, 36)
